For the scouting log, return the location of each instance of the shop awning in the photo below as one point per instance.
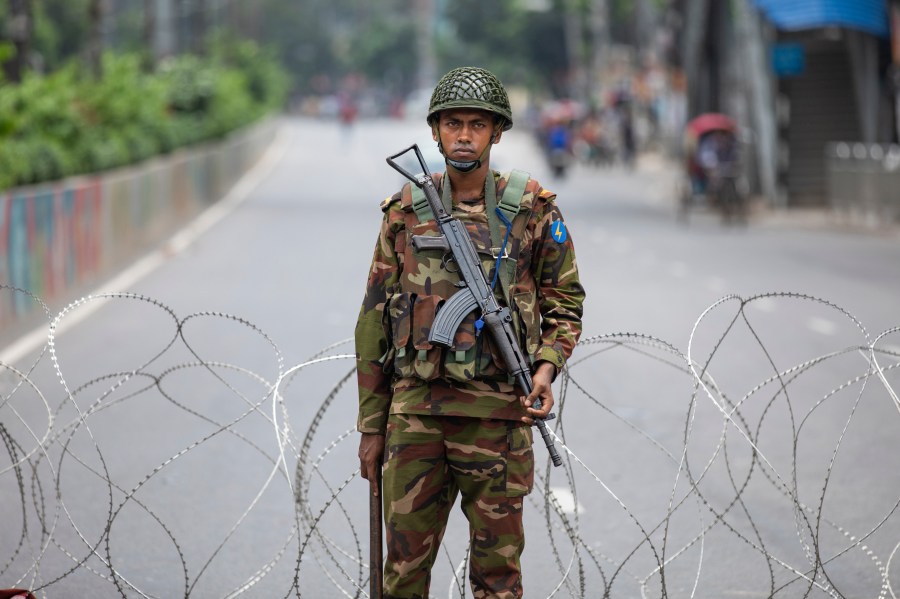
(870, 16)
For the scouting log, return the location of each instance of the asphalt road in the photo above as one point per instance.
(729, 414)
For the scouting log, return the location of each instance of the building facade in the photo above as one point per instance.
(824, 71)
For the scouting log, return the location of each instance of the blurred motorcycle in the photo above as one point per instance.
(559, 154)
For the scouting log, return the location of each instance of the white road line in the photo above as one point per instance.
(178, 242)
(764, 304)
(821, 325)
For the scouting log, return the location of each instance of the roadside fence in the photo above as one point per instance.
(60, 237)
(864, 182)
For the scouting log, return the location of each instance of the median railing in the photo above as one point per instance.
(864, 182)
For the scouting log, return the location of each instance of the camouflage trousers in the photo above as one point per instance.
(429, 461)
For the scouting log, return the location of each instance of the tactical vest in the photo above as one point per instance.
(429, 278)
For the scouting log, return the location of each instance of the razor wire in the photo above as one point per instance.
(737, 487)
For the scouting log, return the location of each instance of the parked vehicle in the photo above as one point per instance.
(713, 168)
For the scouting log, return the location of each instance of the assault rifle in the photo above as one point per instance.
(475, 291)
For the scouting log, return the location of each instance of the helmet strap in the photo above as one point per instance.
(469, 165)
(464, 167)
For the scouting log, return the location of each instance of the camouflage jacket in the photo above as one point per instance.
(399, 371)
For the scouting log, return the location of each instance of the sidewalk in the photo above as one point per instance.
(669, 175)
(820, 218)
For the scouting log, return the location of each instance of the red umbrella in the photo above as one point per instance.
(711, 121)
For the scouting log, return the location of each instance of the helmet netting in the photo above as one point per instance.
(471, 87)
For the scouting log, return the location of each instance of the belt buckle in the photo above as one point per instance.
(496, 251)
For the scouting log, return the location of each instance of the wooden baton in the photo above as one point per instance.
(376, 558)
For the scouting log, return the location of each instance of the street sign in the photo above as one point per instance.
(788, 59)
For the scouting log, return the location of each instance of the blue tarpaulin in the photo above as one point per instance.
(870, 16)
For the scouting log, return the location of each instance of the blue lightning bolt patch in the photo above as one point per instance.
(558, 231)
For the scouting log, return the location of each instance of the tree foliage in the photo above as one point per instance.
(323, 40)
(67, 123)
(333, 38)
(387, 51)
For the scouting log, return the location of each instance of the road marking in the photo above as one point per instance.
(764, 304)
(821, 325)
(566, 500)
(178, 242)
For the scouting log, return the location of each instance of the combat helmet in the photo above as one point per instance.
(471, 87)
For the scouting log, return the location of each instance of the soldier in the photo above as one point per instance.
(450, 421)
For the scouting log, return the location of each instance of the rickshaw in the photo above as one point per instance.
(712, 167)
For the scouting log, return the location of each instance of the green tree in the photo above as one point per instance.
(323, 40)
(296, 32)
(19, 29)
(519, 45)
(385, 52)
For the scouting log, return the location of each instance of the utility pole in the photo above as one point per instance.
(214, 22)
(19, 31)
(178, 26)
(572, 31)
(149, 33)
(894, 72)
(165, 29)
(762, 109)
(96, 17)
(599, 19)
(695, 22)
(645, 25)
(427, 72)
(198, 26)
(232, 17)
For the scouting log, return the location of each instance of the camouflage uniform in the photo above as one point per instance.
(451, 416)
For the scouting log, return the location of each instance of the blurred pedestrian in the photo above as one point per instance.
(596, 148)
(628, 142)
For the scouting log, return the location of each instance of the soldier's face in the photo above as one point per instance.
(466, 132)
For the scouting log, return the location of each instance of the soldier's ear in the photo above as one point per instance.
(434, 131)
(498, 133)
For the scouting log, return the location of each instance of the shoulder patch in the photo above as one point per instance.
(558, 231)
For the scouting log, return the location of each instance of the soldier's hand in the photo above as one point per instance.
(542, 380)
(371, 453)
